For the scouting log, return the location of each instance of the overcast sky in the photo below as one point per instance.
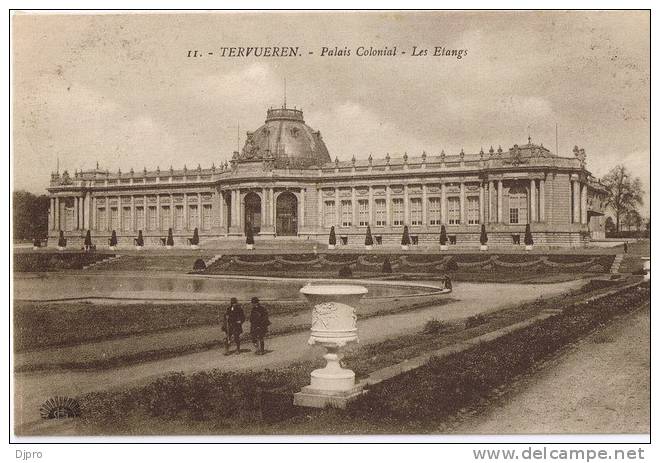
(120, 90)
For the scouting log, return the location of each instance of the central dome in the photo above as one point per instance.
(287, 140)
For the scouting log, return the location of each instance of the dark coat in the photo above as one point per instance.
(259, 320)
(233, 320)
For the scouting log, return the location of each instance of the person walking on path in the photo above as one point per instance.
(232, 325)
(258, 325)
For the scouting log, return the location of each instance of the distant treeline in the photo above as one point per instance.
(30, 215)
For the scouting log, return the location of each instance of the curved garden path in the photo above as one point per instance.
(32, 389)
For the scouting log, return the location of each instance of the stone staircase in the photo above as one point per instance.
(616, 263)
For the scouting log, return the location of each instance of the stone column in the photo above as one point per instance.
(576, 201)
(58, 225)
(145, 209)
(200, 210)
(583, 204)
(221, 210)
(443, 203)
(88, 207)
(273, 210)
(107, 213)
(406, 208)
(461, 204)
(75, 212)
(264, 208)
(186, 224)
(388, 206)
(532, 200)
(500, 193)
(302, 209)
(95, 206)
(371, 205)
(541, 200)
(120, 213)
(353, 207)
(319, 197)
(132, 227)
(424, 206)
(481, 202)
(158, 223)
(51, 215)
(241, 211)
(490, 202)
(337, 208)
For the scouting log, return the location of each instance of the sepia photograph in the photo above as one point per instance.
(330, 224)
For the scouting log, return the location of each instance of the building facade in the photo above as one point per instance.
(284, 184)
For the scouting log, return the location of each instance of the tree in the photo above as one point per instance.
(332, 239)
(368, 239)
(405, 238)
(170, 238)
(249, 235)
(624, 193)
(483, 238)
(195, 239)
(610, 227)
(140, 239)
(88, 239)
(113, 238)
(632, 218)
(30, 214)
(529, 241)
(443, 235)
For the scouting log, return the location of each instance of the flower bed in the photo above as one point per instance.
(53, 262)
(328, 264)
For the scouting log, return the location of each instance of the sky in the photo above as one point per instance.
(120, 89)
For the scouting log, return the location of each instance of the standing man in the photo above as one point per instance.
(258, 325)
(232, 325)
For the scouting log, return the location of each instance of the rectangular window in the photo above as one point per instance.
(101, 219)
(329, 214)
(517, 206)
(397, 211)
(114, 218)
(126, 218)
(139, 218)
(473, 210)
(193, 217)
(380, 212)
(206, 217)
(453, 211)
(363, 212)
(165, 218)
(178, 217)
(153, 223)
(346, 213)
(434, 211)
(416, 211)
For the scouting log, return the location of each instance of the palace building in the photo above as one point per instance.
(284, 183)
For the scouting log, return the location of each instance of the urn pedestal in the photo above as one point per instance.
(333, 326)
(444, 247)
(483, 247)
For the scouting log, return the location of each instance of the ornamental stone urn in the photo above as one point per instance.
(333, 326)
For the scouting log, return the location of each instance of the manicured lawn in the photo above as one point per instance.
(218, 402)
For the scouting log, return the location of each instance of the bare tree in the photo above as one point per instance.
(624, 192)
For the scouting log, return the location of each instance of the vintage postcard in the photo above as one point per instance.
(330, 223)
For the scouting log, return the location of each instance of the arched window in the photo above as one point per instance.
(517, 205)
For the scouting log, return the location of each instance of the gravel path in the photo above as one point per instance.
(32, 389)
(601, 386)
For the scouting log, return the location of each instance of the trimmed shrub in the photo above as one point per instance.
(474, 320)
(88, 238)
(368, 239)
(387, 266)
(195, 238)
(199, 265)
(61, 242)
(170, 238)
(434, 326)
(345, 272)
(249, 234)
(405, 238)
(140, 239)
(483, 238)
(443, 235)
(113, 238)
(333, 238)
(529, 241)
